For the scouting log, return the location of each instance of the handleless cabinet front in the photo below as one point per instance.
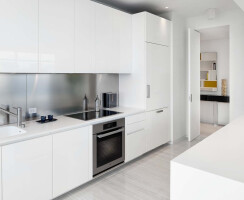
(84, 36)
(27, 170)
(56, 36)
(70, 160)
(19, 36)
(157, 30)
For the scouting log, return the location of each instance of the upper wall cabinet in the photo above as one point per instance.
(84, 36)
(18, 36)
(157, 29)
(113, 43)
(56, 36)
(122, 27)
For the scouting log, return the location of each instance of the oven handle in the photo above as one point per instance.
(110, 133)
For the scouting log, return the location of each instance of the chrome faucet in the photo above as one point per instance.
(18, 115)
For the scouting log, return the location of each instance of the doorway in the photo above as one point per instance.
(211, 109)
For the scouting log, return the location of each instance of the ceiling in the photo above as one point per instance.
(216, 33)
(187, 8)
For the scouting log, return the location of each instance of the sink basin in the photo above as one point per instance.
(9, 131)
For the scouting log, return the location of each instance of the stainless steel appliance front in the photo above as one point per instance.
(108, 145)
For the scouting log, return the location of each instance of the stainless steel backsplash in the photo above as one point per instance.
(55, 94)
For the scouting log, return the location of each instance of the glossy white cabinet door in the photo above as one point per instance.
(158, 128)
(158, 76)
(122, 29)
(105, 56)
(19, 36)
(135, 140)
(56, 36)
(84, 36)
(157, 30)
(70, 160)
(27, 170)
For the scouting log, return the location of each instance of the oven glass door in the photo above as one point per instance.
(109, 149)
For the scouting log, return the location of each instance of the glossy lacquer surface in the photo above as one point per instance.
(70, 160)
(19, 36)
(27, 169)
(56, 36)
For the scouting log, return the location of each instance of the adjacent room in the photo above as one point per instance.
(214, 78)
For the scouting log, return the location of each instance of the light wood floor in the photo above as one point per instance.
(147, 178)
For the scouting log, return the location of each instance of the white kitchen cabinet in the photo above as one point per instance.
(135, 140)
(122, 30)
(19, 36)
(157, 29)
(158, 76)
(158, 128)
(135, 136)
(208, 112)
(113, 43)
(84, 36)
(27, 170)
(105, 55)
(223, 113)
(148, 86)
(56, 36)
(70, 160)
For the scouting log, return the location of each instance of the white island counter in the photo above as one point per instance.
(213, 169)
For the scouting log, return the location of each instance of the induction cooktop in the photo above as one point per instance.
(93, 114)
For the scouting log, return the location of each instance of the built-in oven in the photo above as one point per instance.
(108, 145)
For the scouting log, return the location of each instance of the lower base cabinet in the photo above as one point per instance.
(158, 128)
(135, 141)
(70, 160)
(27, 170)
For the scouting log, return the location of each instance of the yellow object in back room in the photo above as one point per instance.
(207, 76)
(210, 83)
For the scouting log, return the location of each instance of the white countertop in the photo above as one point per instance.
(221, 154)
(63, 123)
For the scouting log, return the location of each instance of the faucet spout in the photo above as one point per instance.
(18, 115)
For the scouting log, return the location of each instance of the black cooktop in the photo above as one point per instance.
(93, 114)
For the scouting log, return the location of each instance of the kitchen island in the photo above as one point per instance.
(213, 169)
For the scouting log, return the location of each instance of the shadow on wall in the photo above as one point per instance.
(55, 94)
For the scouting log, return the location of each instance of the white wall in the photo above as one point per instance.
(235, 19)
(222, 49)
(240, 3)
(179, 35)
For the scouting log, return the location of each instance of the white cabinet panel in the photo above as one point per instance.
(158, 128)
(113, 40)
(105, 55)
(27, 170)
(122, 30)
(158, 76)
(135, 140)
(70, 160)
(223, 113)
(56, 36)
(157, 30)
(207, 112)
(135, 118)
(19, 36)
(84, 36)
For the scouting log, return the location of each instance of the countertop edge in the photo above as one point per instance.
(29, 136)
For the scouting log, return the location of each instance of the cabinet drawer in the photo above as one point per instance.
(132, 128)
(135, 145)
(135, 118)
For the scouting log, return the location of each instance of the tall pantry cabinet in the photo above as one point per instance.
(148, 86)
